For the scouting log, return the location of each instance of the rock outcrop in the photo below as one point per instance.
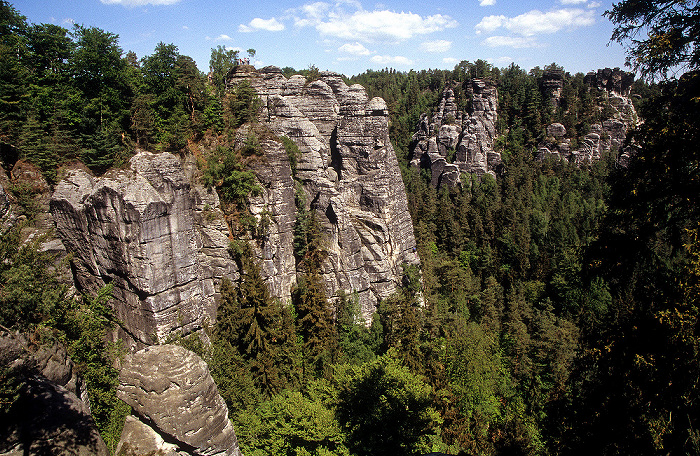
(52, 413)
(142, 229)
(612, 88)
(177, 409)
(453, 141)
(349, 174)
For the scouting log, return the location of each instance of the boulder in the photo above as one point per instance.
(174, 400)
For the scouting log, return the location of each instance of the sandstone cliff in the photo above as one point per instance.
(142, 230)
(453, 141)
(52, 413)
(349, 175)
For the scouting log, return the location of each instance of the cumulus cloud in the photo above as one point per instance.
(436, 46)
(536, 22)
(269, 25)
(354, 49)
(223, 38)
(450, 60)
(517, 42)
(572, 2)
(487, 2)
(347, 20)
(139, 2)
(391, 60)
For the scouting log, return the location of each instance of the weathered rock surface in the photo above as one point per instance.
(49, 416)
(350, 177)
(142, 229)
(466, 138)
(613, 90)
(177, 407)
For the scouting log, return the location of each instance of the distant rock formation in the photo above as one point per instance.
(613, 87)
(52, 414)
(142, 229)
(349, 174)
(552, 83)
(452, 141)
(177, 409)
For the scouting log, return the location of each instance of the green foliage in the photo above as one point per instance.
(671, 35)
(221, 62)
(293, 153)
(291, 423)
(225, 171)
(385, 409)
(258, 327)
(243, 105)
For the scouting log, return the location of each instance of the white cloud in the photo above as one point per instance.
(347, 20)
(536, 22)
(269, 25)
(383, 25)
(223, 38)
(500, 60)
(391, 60)
(450, 60)
(593, 5)
(517, 42)
(572, 2)
(487, 2)
(68, 21)
(354, 49)
(139, 2)
(184, 27)
(436, 46)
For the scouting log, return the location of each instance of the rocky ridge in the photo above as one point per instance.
(453, 141)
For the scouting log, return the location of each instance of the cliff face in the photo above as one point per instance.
(142, 230)
(159, 237)
(349, 174)
(453, 141)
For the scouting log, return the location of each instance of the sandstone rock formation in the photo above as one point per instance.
(452, 141)
(612, 88)
(142, 230)
(52, 414)
(177, 407)
(553, 85)
(349, 174)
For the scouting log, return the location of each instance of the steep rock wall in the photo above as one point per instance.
(350, 176)
(142, 230)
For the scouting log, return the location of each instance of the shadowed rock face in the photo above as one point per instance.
(349, 174)
(469, 135)
(176, 405)
(52, 415)
(141, 229)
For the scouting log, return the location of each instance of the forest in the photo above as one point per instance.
(555, 310)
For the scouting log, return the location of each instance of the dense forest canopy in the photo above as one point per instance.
(556, 307)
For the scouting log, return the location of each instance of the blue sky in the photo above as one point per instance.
(350, 36)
